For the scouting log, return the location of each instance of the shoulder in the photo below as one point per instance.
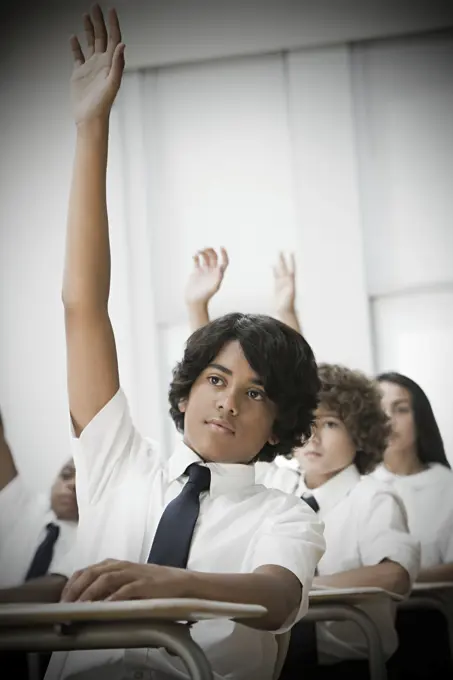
(275, 476)
(370, 492)
(280, 506)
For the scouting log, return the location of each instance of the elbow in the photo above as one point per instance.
(287, 605)
(399, 580)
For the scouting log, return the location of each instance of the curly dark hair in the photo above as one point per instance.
(279, 355)
(430, 446)
(356, 400)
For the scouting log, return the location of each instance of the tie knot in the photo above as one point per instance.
(53, 530)
(199, 476)
(311, 501)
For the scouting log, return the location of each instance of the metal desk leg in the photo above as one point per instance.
(33, 666)
(116, 635)
(345, 612)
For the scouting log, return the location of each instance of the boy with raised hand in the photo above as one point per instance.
(194, 525)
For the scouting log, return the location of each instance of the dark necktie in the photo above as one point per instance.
(311, 501)
(174, 532)
(43, 556)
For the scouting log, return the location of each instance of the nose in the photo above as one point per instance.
(314, 437)
(229, 403)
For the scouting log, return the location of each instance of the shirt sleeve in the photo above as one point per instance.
(383, 532)
(293, 538)
(446, 540)
(107, 449)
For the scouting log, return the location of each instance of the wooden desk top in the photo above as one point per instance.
(350, 595)
(176, 609)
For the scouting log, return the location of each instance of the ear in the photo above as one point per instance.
(273, 440)
(182, 405)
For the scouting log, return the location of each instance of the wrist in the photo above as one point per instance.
(198, 305)
(94, 128)
(286, 309)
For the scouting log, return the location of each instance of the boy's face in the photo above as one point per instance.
(63, 494)
(329, 450)
(228, 417)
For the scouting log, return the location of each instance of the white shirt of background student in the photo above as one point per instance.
(365, 527)
(25, 513)
(416, 465)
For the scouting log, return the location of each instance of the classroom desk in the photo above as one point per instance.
(428, 596)
(340, 604)
(117, 625)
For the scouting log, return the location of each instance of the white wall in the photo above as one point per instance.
(404, 97)
(37, 144)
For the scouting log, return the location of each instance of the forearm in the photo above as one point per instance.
(386, 575)
(440, 573)
(86, 281)
(198, 315)
(47, 589)
(289, 316)
(256, 588)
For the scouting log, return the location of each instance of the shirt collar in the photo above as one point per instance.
(431, 476)
(225, 477)
(334, 490)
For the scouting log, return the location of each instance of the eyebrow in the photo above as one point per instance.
(403, 400)
(255, 380)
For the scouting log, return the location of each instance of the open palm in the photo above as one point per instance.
(98, 70)
(207, 275)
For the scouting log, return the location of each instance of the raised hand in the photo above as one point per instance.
(98, 69)
(285, 283)
(206, 277)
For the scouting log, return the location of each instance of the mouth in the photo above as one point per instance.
(220, 426)
(312, 455)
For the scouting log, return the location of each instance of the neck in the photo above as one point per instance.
(403, 462)
(313, 480)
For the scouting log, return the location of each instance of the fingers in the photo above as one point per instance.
(76, 50)
(81, 580)
(285, 266)
(117, 68)
(224, 262)
(100, 31)
(209, 259)
(114, 32)
(130, 591)
(106, 584)
(89, 35)
(212, 258)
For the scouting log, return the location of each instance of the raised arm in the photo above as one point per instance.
(204, 282)
(92, 364)
(8, 470)
(285, 291)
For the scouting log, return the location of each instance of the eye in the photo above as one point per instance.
(331, 424)
(215, 380)
(255, 395)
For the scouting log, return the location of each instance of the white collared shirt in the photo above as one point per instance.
(123, 486)
(428, 497)
(365, 523)
(24, 515)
